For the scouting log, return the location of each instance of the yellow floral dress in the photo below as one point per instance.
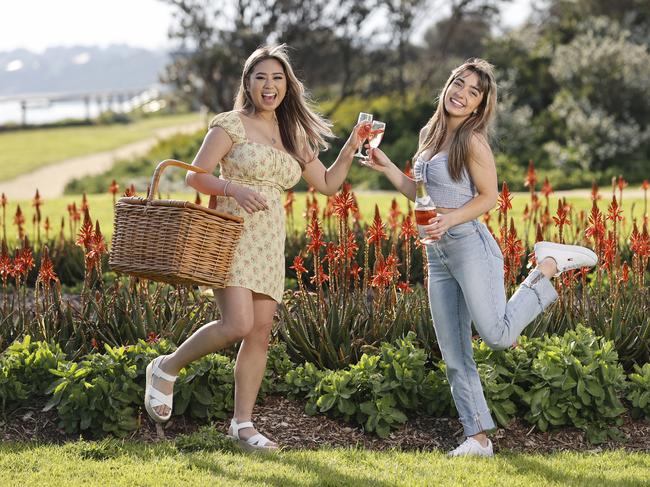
(258, 263)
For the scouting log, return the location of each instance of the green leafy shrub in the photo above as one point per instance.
(502, 374)
(376, 391)
(436, 393)
(205, 388)
(97, 394)
(25, 371)
(575, 380)
(301, 380)
(639, 391)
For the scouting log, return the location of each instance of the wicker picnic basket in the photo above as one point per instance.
(173, 241)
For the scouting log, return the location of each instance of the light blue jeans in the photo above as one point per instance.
(466, 285)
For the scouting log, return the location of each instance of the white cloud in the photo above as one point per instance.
(82, 58)
(15, 65)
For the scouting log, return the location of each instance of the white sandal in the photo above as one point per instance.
(152, 396)
(257, 442)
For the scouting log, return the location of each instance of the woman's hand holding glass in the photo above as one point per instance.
(361, 132)
(377, 160)
(358, 135)
(438, 226)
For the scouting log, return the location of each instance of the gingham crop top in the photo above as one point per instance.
(444, 191)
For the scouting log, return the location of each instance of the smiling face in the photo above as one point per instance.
(267, 85)
(463, 95)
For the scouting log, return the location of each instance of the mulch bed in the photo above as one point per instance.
(285, 421)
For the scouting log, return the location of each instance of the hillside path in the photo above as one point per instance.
(51, 179)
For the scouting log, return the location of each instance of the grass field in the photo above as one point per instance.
(26, 150)
(101, 208)
(115, 463)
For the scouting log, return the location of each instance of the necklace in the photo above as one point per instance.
(273, 125)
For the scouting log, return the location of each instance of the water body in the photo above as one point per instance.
(41, 110)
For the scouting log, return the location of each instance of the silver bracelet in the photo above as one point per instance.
(225, 188)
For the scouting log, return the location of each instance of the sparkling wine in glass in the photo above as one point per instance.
(363, 117)
(425, 209)
(377, 130)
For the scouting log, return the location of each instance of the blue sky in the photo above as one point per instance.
(38, 24)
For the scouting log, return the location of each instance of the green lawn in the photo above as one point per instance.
(19, 154)
(101, 208)
(115, 463)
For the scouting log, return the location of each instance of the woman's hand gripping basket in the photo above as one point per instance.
(173, 241)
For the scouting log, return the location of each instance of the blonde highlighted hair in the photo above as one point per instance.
(480, 122)
(302, 129)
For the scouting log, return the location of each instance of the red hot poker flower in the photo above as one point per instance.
(86, 232)
(114, 187)
(377, 231)
(383, 274)
(614, 212)
(547, 189)
(561, 218)
(504, 200)
(288, 203)
(393, 215)
(640, 242)
(37, 201)
(408, 170)
(19, 218)
(46, 272)
(531, 176)
(6, 266)
(594, 191)
(595, 229)
(298, 265)
(408, 228)
(355, 271)
(625, 275)
(404, 287)
(96, 247)
(316, 235)
(152, 337)
(343, 203)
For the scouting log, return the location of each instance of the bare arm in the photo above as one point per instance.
(482, 170)
(381, 163)
(216, 144)
(328, 181)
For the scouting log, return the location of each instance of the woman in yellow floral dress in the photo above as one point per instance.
(263, 147)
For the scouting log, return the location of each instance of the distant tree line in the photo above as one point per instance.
(574, 90)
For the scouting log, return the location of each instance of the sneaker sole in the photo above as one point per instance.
(578, 249)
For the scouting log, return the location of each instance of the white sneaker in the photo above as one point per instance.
(566, 256)
(472, 448)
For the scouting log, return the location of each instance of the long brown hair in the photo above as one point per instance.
(302, 129)
(481, 122)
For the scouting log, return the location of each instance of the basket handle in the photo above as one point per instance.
(153, 187)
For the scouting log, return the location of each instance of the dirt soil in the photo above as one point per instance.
(285, 421)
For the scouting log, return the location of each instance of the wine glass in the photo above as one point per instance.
(363, 117)
(377, 130)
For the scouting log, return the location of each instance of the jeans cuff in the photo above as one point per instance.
(478, 423)
(542, 287)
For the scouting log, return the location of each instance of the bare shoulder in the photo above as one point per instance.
(480, 150)
(423, 134)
